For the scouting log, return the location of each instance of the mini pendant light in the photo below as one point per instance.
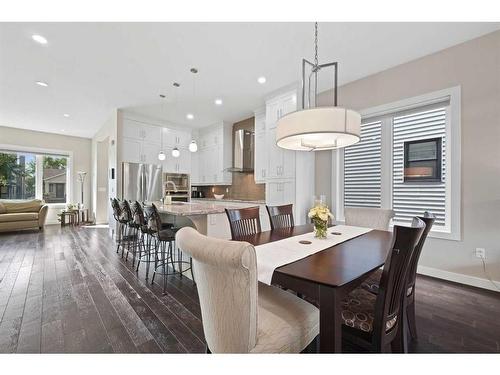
(161, 154)
(193, 147)
(175, 152)
(317, 128)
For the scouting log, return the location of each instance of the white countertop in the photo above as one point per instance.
(191, 208)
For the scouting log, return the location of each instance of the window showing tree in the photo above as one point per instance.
(29, 176)
(17, 175)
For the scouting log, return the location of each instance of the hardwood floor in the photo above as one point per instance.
(66, 290)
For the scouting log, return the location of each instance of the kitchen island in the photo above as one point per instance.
(207, 217)
(192, 214)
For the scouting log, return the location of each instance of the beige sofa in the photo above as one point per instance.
(22, 214)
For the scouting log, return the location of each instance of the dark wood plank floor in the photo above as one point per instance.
(66, 290)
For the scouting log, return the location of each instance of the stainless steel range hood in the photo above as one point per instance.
(243, 151)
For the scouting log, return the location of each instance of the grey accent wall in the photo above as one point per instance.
(475, 66)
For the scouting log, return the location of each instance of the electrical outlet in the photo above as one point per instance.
(480, 252)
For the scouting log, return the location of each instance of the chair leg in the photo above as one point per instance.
(410, 314)
(156, 260)
(148, 254)
(118, 237)
(191, 268)
(179, 260)
(207, 350)
(164, 268)
(140, 244)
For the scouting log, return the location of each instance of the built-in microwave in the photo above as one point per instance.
(177, 185)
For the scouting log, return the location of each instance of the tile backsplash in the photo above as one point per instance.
(243, 187)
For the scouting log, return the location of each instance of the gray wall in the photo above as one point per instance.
(475, 66)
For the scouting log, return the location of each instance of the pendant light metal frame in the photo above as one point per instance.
(290, 135)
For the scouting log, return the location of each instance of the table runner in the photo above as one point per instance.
(278, 253)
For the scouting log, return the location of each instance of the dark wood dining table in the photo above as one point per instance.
(328, 275)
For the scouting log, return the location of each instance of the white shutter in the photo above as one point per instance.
(362, 168)
(413, 198)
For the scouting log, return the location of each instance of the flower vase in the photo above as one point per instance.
(320, 228)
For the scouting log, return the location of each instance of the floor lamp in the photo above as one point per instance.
(81, 178)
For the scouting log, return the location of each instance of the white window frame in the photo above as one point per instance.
(452, 157)
(40, 152)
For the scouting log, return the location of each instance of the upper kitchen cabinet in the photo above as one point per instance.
(261, 161)
(215, 155)
(140, 142)
(181, 164)
(133, 129)
(176, 138)
(279, 106)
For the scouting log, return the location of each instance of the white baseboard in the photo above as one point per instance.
(458, 278)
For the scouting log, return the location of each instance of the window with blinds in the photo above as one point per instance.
(411, 198)
(362, 168)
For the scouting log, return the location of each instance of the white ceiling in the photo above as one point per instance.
(93, 68)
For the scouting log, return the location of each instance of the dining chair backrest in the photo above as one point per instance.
(394, 278)
(374, 218)
(226, 279)
(243, 221)
(428, 219)
(280, 216)
(115, 205)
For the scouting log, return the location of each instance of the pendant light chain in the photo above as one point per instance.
(316, 44)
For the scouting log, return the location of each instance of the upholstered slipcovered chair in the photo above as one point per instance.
(375, 218)
(239, 314)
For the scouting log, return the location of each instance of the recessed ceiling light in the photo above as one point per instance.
(39, 39)
(66, 115)
(63, 130)
(218, 101)
(190, 116)
(41, 83)
(261, 80)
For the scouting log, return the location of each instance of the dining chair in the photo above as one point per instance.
(372, 283)
(280, 216)
(243, 221)
(374, 218)
(372, 321)
(240, 315)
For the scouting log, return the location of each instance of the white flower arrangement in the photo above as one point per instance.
(320, 212)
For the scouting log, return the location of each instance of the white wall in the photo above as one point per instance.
(475, 66)
(107, 133)
(78, 148)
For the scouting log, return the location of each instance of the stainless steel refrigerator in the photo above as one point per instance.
(141, 182)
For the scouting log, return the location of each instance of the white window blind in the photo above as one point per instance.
(362, 168)
(412, 198)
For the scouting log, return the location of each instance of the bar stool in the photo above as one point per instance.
(164, 245)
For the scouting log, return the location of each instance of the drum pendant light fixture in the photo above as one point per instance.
(317, 128)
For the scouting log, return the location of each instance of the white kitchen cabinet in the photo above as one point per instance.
(176, 138)
(215, 154)
(132, 150)
(139, 151)
(278, 107)
(133, 129)
(150, 152)
(182, 164)
(281, 162)
(280, 192)
(261, 162)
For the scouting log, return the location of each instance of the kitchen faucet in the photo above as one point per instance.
(173, 184)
